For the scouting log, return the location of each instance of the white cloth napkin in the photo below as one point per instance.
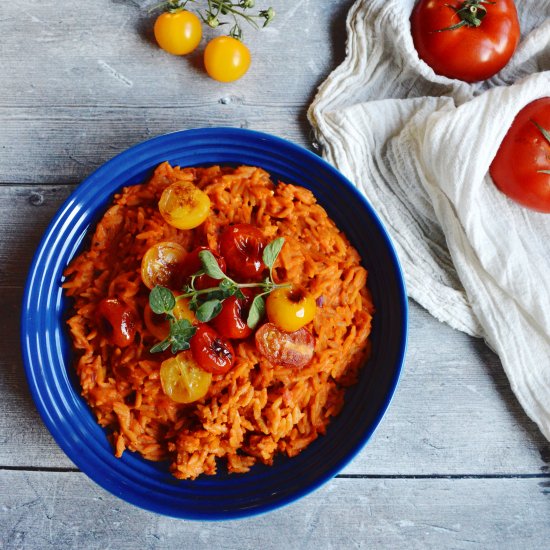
(419, 147)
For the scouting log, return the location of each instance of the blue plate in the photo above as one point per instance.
(47, 353)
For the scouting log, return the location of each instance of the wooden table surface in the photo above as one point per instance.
(455, 462)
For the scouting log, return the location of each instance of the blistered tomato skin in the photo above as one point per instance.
(162, 265)
(290, 308)
(288, 349)
(183, 205)
(118, 322)
(231, 321)
(242, 247)
(178, 33)
(211, 351)
(183, 380)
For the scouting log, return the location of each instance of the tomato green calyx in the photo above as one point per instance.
(215, 10)
(171, 6)
(207, 302)
(471, 14)
(235, 10)
(546, 135)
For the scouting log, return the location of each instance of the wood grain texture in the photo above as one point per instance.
(454, 413)
(455, 462)
(41, 510)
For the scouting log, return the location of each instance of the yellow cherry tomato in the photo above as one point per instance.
(290, 309)
(184, 205)
(226, 59)
(178, 33)
(162, 265)
(159, 326)
(182, 379)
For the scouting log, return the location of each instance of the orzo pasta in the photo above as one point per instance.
(257, 409)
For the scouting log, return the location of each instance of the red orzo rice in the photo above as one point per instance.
(257, 409)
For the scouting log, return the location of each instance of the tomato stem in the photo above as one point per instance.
(471, 14)
(546, 134)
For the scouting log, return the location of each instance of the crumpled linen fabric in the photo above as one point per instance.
(419, 146)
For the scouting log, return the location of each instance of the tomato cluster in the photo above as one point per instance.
(225, 58)
(239, 274)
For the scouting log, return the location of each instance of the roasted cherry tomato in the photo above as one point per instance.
(184, 205)
(118, 322)
(182, 379)
(290, 308)
(242, 246)
(162, 265)
(226, 58)
(289, 349)
(178, 33)
(212, 352)
(469, 40)
(521, 167)
(159, 326)
(193, 264)
(231, 321)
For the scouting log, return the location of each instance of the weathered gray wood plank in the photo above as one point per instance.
(75, 141)
(90, 90)
(41, 510)
(103, 53)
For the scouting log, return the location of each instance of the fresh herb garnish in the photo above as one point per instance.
(208, 302)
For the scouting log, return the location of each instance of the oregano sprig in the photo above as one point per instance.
(208, 302)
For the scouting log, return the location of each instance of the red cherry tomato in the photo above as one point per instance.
(118, 322)
(289, 349)
(466, 52)
(212, 352)
(231, 321)
(521, 167)
(242, 246)
(193, 264)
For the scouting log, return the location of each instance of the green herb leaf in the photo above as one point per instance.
(182, 327)
(179, 344)
(256, 312)
(161, 300)
(271, 251)
(161, 346)
(181, 331)
(208, 310)
(210, 265)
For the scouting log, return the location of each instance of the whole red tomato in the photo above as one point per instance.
(469, 40)
(521, 167)
(242, 246)
(212, 352)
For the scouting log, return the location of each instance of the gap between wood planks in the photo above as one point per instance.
(338, 476)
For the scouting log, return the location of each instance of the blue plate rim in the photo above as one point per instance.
(86, 185)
